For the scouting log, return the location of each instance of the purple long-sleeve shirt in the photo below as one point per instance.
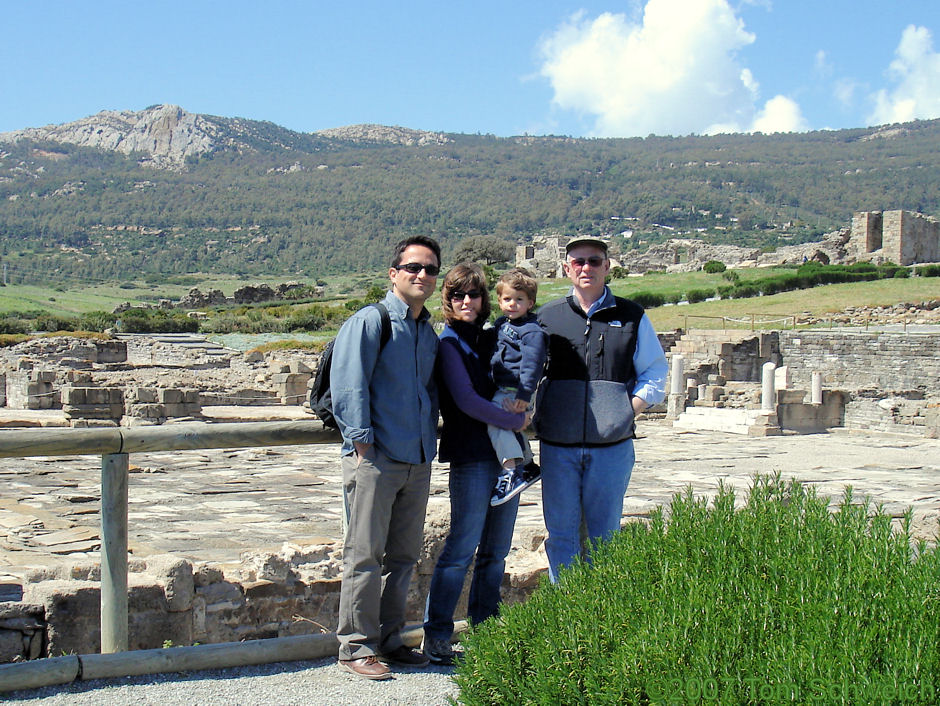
(458, 382)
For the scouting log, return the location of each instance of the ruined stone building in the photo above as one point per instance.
(901, 237)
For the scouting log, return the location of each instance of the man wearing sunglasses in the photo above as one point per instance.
(385, 404)
(605, 365)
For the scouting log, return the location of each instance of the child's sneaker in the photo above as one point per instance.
(531, 472)
(508, 486)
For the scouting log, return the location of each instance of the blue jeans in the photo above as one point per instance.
(477, 527)
(582, 483)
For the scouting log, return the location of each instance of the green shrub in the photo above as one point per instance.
(97, 321)
(155, 321)
(928, 271)
(619, 272)
(648, 300)
(11, 325)
(304, 321)
(713, 267)
(50, 322)
(744, 291)
(731, 276)
(699, 295)
(902, 273)
(780, 601)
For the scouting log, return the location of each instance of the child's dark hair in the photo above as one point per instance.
(519, 279)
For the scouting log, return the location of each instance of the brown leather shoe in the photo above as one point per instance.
(366, 667)
(405, 657)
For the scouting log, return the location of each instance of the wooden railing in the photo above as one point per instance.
(114, 445)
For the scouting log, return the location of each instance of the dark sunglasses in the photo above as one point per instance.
(580, 262)
(414, 268)
(458, 295)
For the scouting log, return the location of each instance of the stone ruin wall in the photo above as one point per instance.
(902, 237)
(892, 379)
(140, 380)
(291, 591)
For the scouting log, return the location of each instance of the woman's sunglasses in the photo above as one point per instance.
(458, 295)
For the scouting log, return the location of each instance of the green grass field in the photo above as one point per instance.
(819, 301)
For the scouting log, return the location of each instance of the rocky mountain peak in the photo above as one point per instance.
(167, 134)
(387, 135)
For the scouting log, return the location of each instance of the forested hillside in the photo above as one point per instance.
(303, 206)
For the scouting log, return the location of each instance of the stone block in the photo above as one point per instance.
(299, 366)
(97, 396)
(675, 405)
(147, 630)
(221, 596)
(205, 574)
(175, 575)
(73, 615)
(170, 396)
(13, 646)
(142, 395)
(73, 396)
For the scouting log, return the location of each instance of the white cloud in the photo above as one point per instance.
(844, 90)
(821, 65)
(674, 71)
(780, 114)
(916, 73)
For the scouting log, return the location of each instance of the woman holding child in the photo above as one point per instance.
(476, 526)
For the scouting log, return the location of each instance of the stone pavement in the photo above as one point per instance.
(212, 505)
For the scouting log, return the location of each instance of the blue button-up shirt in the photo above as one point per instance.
(388, 400)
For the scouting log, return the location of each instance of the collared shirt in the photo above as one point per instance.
(389, 400)
(649, 361)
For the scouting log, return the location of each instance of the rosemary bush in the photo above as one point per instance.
(781, 601)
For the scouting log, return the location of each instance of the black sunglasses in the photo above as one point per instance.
(414, 268)
(458, 295)
(593, 261)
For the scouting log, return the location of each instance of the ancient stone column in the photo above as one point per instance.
(817, 387)
(767, 401)
(675, 403)
(678, 375)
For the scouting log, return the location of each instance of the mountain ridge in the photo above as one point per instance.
(168, 135)
(234, 195)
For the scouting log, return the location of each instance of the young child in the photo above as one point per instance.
(517, 367)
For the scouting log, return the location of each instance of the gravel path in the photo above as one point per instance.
(308, 683)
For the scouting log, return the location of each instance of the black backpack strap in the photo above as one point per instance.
(386, 325)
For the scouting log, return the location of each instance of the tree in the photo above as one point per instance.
(488, 249)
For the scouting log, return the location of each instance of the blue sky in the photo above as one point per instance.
(615, 68)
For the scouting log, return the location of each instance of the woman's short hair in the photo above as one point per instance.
(464, 277)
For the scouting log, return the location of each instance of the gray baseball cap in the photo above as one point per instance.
(593, 242)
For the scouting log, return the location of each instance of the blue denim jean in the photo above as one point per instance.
(475, 527)
(582, 483)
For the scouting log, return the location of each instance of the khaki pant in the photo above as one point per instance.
(387, 501)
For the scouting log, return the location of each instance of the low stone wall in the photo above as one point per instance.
(31, 388)
(172, 600)
(864, 360)
(892, 379)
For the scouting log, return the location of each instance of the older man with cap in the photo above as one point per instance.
(605, 365)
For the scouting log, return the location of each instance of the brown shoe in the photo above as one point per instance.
(366, 667)
(405, 657)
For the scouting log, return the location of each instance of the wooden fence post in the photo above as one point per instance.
(114, 468)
